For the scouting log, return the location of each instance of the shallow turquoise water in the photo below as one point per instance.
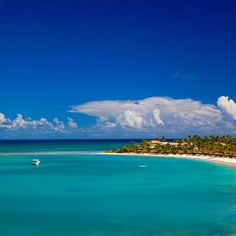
(89, 194)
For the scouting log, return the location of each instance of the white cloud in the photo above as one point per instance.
(126, 118)
(71, 123)
(133, 114)
(156, 114)
(157, 118)
(58, 125)
(41, 126)
(20, 122)
(131, 119)
(2, 118)
(227, 105)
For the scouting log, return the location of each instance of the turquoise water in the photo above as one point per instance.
(84, 193)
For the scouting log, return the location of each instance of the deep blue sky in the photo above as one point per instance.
(57, 53)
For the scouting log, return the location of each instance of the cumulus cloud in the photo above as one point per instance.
(151, 112)
(132, 119)
(133, 114)
(227, 105)
(157, 118)
(42, 125)
(58, 125)
(71, 123)
(159, 114)
(125, 118)
(2, 118)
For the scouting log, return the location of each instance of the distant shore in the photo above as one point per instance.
(218, 149)
(215, 159)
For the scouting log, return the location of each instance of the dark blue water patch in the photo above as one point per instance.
(62, 145)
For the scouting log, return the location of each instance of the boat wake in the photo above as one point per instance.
(142, 166)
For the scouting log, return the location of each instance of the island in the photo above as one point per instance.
(214, 148)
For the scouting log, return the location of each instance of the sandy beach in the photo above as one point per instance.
(215, 159)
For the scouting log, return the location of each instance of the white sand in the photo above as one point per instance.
(220, 160)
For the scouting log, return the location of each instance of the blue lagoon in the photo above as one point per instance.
(75, 191)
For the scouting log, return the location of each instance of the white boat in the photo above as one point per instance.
(35, 162)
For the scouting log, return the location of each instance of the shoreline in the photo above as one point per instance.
(220, 160)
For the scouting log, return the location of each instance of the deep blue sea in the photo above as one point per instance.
(75, 191)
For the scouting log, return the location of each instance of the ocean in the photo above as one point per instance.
(76, 191)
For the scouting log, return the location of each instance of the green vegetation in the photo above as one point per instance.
(222, 146)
